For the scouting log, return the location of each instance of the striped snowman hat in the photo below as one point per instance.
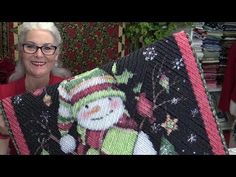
(83, 89)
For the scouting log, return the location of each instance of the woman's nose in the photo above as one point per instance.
(39, 53)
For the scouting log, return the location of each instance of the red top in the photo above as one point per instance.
(16, 88)
(229, 85)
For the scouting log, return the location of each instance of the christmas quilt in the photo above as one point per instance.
(150, 102)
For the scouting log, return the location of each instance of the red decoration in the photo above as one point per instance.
(7, 68)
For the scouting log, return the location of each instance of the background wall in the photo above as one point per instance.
(7, 40)
(86, 45)
(90, 44)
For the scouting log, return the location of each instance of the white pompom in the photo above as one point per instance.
(67, 144)
(143, 145)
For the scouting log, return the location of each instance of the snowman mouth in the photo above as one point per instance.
(99, 118)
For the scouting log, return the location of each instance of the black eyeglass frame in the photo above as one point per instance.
(41, 48)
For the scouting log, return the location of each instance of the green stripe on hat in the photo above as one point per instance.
(97, 80)
(64, 103)
(62, 119)
(83, 77)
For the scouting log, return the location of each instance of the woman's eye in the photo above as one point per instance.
(47, 48)
(30, 46)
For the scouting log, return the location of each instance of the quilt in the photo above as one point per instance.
(150, 102)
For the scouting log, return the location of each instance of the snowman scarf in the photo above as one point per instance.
(92, 142)
(160, 87)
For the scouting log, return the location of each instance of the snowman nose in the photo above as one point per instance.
(95, 109)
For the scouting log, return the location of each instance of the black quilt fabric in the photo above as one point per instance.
(152, 101)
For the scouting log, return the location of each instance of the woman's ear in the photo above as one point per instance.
(232, 108)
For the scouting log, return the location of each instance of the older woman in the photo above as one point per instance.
(38, 66)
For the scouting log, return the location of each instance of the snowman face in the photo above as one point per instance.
(101, 114)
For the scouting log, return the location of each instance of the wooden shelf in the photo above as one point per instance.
(217, 89)
(227, 125)
(232, 151)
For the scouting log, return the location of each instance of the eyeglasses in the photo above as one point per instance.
(32, 49)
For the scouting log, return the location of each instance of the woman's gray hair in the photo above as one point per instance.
(48, 26)
(23, 29)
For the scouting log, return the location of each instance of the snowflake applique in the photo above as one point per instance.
(178, 63)
(156, 127)
(170, 124)
(45, 115)
(192, 138)
(194, 112)
(17, 100)
(150, 53)
(175, 100)
(43, 144)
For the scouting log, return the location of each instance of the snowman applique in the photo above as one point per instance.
(103, 124)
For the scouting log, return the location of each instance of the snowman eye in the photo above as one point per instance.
(86, 106)
(109, 98)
